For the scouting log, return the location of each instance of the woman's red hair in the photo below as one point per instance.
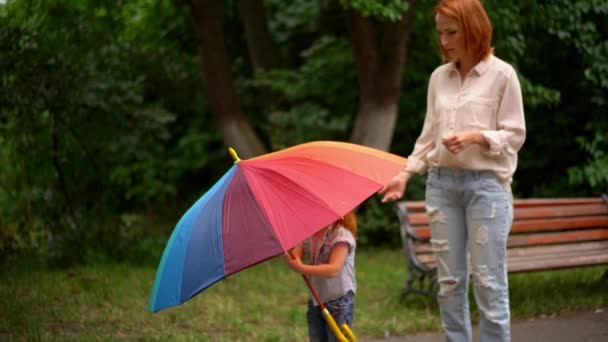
(475, 23)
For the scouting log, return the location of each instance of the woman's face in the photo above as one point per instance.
(451, 36)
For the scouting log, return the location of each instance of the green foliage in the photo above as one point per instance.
(321, 93)
(377, 224)
(563, 46)
(595, 171)
(289, 22)
(389, 10)
(538, 96)
(84, 131)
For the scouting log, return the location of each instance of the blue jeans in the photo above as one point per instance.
(343, 311)
(470, 217)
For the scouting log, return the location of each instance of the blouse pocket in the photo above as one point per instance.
(480, 113)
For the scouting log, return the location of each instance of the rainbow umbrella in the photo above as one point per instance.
(264, 206)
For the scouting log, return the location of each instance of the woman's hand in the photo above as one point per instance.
(456, 143)
(395, 189)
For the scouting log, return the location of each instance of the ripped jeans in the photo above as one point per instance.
(470, 217)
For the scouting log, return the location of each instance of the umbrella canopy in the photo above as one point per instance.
(265, 206)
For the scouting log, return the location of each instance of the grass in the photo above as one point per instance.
(263, 303)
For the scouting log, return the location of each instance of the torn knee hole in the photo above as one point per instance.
(448, 281)
(447, 286)
(439, 245)
(482, 236)
(482, 277)
(435, 215)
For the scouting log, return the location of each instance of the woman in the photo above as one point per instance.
(473, 129)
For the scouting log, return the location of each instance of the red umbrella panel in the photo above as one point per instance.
(263, 207)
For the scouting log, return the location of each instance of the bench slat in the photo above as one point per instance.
(553, 263)
(558, 263)
(541, 258)
(553, 250)
(535, 225)
(561, 211)
(570, 239)
(539, 225)
(557, 237)
(417, 219)
(418, 206)
(532, 202)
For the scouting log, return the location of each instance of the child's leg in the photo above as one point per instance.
(317, 328)
(343, 311)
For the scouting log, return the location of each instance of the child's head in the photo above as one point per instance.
(349, 221)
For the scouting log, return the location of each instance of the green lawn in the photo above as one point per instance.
(263, 303)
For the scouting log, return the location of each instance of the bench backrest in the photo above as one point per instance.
(552, 223)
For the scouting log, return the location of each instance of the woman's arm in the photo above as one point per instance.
(511, 132)
(416, 162)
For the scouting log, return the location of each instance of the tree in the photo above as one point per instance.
(262, 51)
(216, 72)
(380, 49)
(379, 34)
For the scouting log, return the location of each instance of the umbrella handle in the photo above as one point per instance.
(333, 326)
(349, 333)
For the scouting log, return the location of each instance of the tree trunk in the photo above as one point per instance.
(262, 51)
(380, 73)
(216, 72)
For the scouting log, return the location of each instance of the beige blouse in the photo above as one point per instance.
(489, 100)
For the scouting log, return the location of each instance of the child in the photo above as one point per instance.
(331, 270)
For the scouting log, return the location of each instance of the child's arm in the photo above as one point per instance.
(339, 252)
(297, 252)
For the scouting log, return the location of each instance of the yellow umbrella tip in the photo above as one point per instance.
(234, 155)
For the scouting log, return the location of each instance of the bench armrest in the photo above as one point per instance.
(402, 213)
(409, 238)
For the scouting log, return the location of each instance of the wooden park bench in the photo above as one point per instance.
(547, 234)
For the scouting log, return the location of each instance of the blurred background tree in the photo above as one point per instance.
(116, 115)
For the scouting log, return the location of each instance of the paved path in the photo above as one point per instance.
(574, 327)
